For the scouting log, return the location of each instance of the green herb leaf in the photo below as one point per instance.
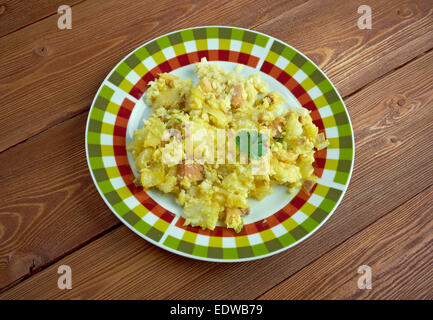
(279, 139)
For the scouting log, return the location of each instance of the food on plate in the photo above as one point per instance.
(219, 141)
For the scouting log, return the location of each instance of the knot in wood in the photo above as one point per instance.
(41, 51)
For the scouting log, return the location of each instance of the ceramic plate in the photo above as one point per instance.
(276, 223)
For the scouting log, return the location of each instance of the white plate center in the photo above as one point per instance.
(259, 209)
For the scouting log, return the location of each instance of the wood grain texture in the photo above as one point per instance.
(398, 248)
(30, 218)
(49, 204)
(393, 127)
(327, 32)
(48, 75)
(393, 123)
(128, 263)
(16, 14)
(61, 77)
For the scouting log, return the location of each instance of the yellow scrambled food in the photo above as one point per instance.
(185, 145)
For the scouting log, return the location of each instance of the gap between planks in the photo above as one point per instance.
(346, 240)
(116, 226)
(65, 120)
(299, 7)
(60, 257)
(343, 97)
(388, 73)
(37, 20)
(73, 115)
(82, 112)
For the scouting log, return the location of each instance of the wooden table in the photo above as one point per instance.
(51, 213)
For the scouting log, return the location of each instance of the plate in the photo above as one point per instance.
(276, 223)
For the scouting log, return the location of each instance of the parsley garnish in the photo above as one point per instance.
(279, 139)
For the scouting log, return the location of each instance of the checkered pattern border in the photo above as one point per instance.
(183, 48)
(108, 161)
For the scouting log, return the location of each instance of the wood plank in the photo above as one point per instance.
(16, 14)
(49, 204)
(398, 248)
(56, 75)
(126, 255)
(36, 203)
(327, 32)
(393, 126)
(393, 123)
(66, 75)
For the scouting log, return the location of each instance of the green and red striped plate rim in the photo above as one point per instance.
(127, 82)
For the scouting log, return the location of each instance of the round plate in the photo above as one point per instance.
(276, 223)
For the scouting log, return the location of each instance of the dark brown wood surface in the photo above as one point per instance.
(17, 14)
(51, 213)
(397, 248)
